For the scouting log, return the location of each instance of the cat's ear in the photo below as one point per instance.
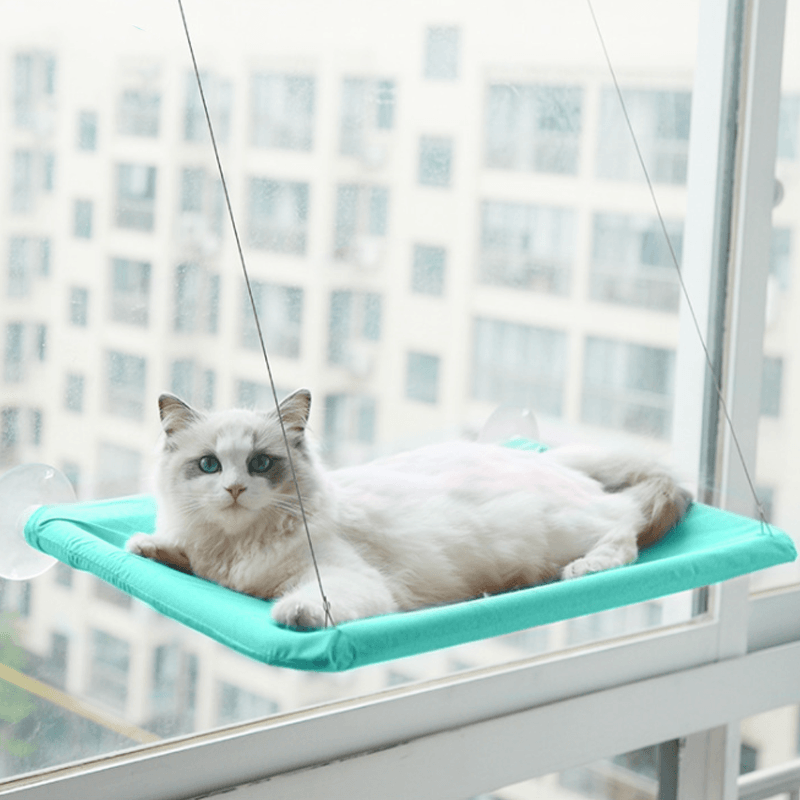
(175, 414)
(295, 409)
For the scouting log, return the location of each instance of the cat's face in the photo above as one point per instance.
(231, 467)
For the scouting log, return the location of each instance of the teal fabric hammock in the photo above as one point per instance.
(707, 547)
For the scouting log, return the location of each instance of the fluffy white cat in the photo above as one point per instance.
(435, 525)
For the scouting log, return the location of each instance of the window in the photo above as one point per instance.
(280, 311)
(219, 96)
(40, 333)
(125, 387)
(87, 130)
(109, 669)
(22, 181)
(788, 127)
(250, 394)
(36, 422)
(520, 365)
(73, 394)
(428, 269)
(9, 431)
(632, 263)
(237, 704)
(197, 296)
(354, 327)
(83, 219)
(192, 384)
(771, 384)
(130, 291)
(28, 258)
(368, 109)
(661, 121)
(534, 127)
(628, 386)
(79, 306)
(527, 247)
(278, 215)
(136, 197)
(361, 223)
(442, 53)
(138, 112)
(282, 111)
(202, 205)
(13, 366)
(422, 377)
(435, 161)
(34, 89)
(349, 418)
(174, 694)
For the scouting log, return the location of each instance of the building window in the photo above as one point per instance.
(14, 365)
(251, 394)
(283, 111)
(368, 108)
(628, 386)
(780, 257)
(280, 312)
(422, 377)
(193, 385)
(36, 419)
(40, 332)
(361, 223)
(73, 393)
(533, 127)
(138, 112)
(661, 122)
(196, 299)
(73, 474)
(238, 705)
(219, 96)
(632, 263)
(9, 431)
(527, 247)
(435, 161)
(83, 219)
(520, 365)
(278, 215)
(125, 389)
(136, 197)
(119, 471)
(62, 573)
(87, 130)
(22, 181)
(442, 53)
(28, 257)
(427, 273)
(788, 127)
(349, 418)
(79, 306)
(130, 291)
(109, 669)
(34, 88)
(353, 329)
(48, 161)
(202, 205)
(771, 385)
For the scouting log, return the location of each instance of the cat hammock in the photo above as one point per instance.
(707, 547)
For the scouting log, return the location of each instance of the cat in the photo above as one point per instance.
(435, 525)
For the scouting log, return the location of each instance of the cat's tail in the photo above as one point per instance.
(662, 500)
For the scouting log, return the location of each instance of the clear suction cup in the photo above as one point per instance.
(509, 422)
(22, 490)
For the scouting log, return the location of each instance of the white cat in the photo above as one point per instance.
(435, 525)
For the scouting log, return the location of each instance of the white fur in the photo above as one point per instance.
(435, 525)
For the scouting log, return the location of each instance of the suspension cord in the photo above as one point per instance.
(325, 603)
(674, 258)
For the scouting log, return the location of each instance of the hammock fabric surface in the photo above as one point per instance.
(708, 546)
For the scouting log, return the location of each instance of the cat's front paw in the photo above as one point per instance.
(141, 544)
(148, 546)
(297, 612)
(589, 564)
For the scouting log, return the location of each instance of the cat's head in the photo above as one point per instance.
(231, 467)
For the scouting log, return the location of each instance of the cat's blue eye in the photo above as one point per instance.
(259, 463)
(210, 464)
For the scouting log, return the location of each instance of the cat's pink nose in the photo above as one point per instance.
(236, 490)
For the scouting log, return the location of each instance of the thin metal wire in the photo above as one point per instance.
(325, 603)
(714, 377)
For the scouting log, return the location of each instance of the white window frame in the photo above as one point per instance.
(455, 737)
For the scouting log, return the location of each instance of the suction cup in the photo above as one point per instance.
(22, 490)
(509, 422)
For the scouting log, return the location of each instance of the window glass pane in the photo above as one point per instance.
(439, 215)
